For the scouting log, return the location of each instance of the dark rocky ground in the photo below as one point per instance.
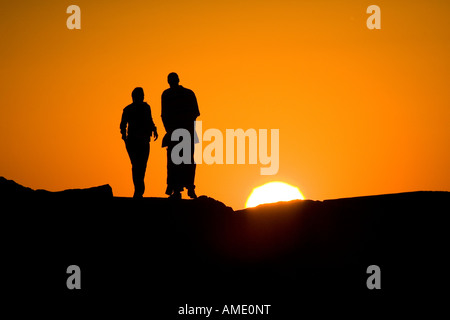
(307, 259)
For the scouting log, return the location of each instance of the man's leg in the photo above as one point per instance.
(174, 186)
(190, 172)
(169, 181)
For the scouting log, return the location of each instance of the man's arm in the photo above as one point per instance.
(123, 125)
(164, 115)
(196, 111)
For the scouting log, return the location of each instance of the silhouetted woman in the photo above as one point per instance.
(137, 127)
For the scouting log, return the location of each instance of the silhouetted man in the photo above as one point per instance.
(179, 110)
(137, 127)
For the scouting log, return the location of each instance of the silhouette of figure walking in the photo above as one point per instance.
(179, 109)
(137, 127)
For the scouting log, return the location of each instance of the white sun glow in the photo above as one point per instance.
(273, 192)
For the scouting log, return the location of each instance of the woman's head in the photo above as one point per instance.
(138, 94)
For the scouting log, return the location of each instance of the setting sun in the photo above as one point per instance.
(273, 192)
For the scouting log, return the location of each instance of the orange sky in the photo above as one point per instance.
(359, 111)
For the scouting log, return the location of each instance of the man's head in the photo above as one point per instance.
(138, 94)
(173, 79)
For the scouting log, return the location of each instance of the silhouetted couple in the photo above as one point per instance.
(179, 110)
